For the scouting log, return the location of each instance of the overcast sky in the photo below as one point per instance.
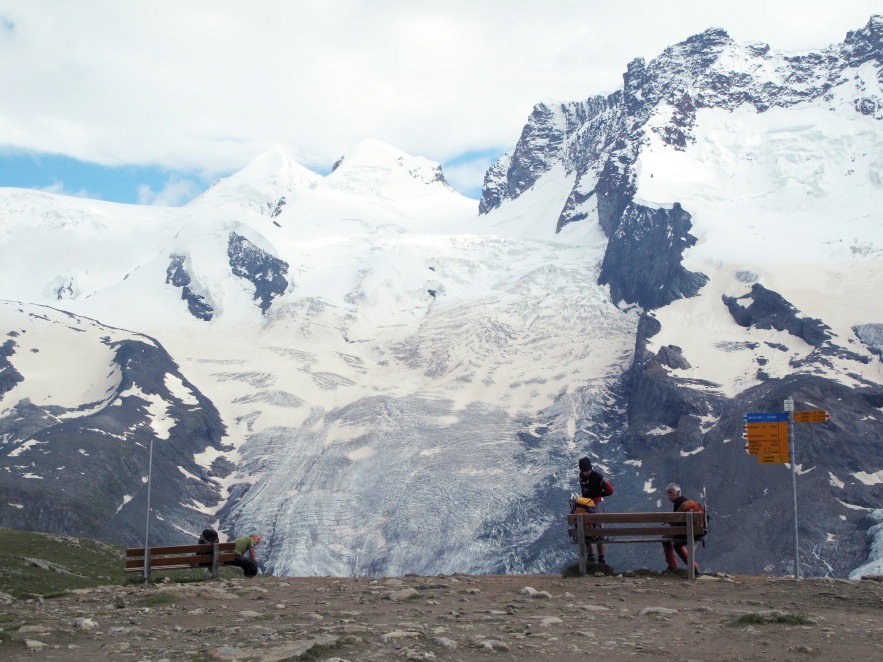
(149, 100)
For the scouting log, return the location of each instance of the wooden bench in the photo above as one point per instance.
(636, 528)
(174, 557)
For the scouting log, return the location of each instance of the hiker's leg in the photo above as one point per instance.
(249, 567)
(681, 549)
(669, 555)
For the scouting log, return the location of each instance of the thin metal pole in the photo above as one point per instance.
(791, 453)
(147, 525)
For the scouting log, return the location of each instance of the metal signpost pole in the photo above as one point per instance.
(147, 525)
(789, 407)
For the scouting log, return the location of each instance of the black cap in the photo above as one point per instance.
(585, 464)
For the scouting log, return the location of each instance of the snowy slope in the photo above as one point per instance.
(786, 198)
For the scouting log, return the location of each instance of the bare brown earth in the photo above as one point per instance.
(459, 617)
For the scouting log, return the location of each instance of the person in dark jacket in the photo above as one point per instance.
(593, 485)
(681, 504)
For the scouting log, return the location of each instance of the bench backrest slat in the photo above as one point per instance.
(623, 531)
(194, 559)
(181, 549)
(634, 518)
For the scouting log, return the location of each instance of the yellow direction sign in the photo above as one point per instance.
(774, 454)
(811, 416)
(766, 431)
(767, 435)
(768, 441)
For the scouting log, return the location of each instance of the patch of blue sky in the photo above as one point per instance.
(155, 185)
(130, 184)
(465, 172)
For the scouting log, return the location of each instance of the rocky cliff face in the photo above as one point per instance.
(599, 140)
(679, 426)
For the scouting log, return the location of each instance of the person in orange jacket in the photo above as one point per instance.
(681, 504)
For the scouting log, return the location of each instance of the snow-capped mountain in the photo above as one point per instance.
(382, 379)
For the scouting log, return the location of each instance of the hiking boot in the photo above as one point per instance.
(590, 559)
(602, 560)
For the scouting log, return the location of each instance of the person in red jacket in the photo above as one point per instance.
(595, 486)
(681, 504)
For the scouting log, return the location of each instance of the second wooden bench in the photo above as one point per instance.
(636, 528)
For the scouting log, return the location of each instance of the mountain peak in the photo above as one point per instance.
(263, 182)
(377, 169)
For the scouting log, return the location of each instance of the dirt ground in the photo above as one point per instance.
(459, 617)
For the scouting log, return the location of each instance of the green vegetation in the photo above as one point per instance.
(320, 651)
(157, 599)
(777, 618)
(51, 564)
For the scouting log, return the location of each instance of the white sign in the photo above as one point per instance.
(789, 404)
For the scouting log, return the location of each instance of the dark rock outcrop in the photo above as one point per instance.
(770, 310)
(177, 275)
(276, 209)
(642, 263)
(9, 376)
(266, 272)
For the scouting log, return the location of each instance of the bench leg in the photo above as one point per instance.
(581, 534)
(215, 569)
(691, 548)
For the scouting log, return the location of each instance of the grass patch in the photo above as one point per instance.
(158, 599)
(75, 563)
(319, 651)
(772, 619)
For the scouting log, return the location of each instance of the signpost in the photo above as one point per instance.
(789, 407)
(771, 440)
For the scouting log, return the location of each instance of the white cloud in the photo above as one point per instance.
(176, 192)
(206, 85)
(58, 187)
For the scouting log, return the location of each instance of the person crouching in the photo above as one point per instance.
(244, 554)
